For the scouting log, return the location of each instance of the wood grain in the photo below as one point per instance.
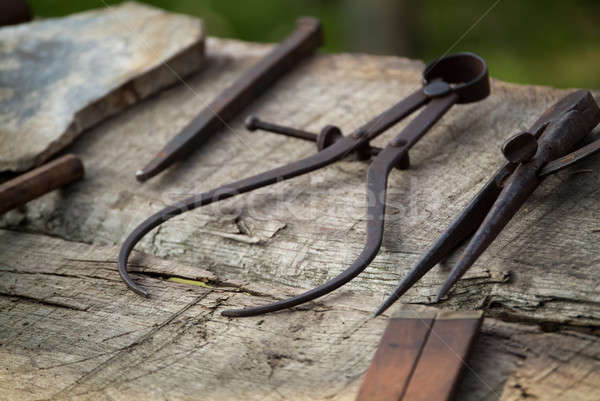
(69, 329)
(397, 356)
(444, 357)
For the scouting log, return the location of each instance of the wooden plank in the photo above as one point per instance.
(69, 329)
(420, 357)
(397, 356)
(304, 231)
(444, 357)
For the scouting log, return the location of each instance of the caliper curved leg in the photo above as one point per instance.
(327, 156)
(377, 176)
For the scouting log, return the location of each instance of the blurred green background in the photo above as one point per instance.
(547, 42)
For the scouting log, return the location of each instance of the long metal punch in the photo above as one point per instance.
(531, 156)
(303, 42)
(458, 78)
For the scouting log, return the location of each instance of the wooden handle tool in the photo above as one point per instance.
(420, 357)
(39, 181)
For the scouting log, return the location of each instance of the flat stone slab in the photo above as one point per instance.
(60, 76)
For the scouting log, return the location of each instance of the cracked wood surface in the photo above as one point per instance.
(71, 329)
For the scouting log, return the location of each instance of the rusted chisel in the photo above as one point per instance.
(420, 357)
(39, 181)
(299, 45)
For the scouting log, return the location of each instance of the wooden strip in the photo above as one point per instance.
(395, 358)
(39, 181)
(443, 358)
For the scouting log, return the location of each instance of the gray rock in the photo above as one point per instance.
(60, 76)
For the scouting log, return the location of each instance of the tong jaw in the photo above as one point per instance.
(568, 121)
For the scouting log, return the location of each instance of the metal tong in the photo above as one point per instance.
(458, 78)
(532, 156)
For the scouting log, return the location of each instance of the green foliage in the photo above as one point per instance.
(549, 42)
(537, 42)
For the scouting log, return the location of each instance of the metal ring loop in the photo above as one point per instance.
(466, 72)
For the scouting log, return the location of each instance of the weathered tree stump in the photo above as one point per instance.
(69, 328)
